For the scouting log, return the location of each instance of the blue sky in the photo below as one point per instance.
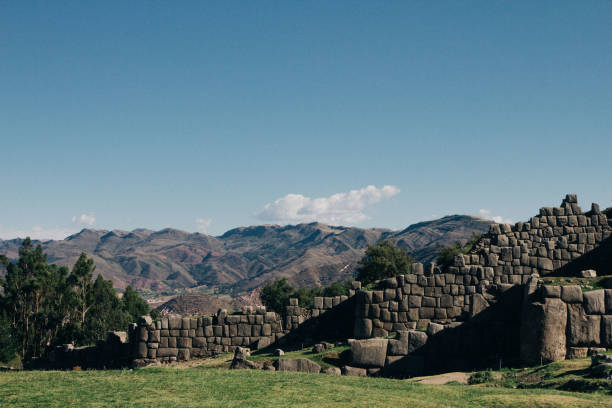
(211, 115)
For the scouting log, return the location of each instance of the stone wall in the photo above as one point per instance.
(467, 310)
(506, 255)
(181, 338)
(547, 242)
(562, 322)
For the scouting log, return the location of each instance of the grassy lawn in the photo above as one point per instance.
(202, 386)
(587, 284)
(333, 357)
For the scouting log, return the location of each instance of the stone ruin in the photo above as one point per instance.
(489, 309)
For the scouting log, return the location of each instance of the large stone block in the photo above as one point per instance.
(354, 371)
(184, 354)
(303, 365)
(167, 352)
(594, 302)
(583, 329)
(400, 345)
(369, 353)
(175, 322)
(543, 331)
(608, 300)
(184, 342)
(550, 291)
(363, 328)
(416, 340)
(571, 294)
(606, 331)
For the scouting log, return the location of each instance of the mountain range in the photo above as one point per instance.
(244, 258)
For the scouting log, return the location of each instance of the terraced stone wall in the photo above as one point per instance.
(545, 243)
(181, 338)
(507, 255)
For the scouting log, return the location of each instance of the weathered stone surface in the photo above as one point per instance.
(404, 366)
(400, 345)
(416, 340)
(433, 328)
(279, 352)
(167, 352)
(321, 347)
(589, 273)
(577, 352)
(175, 322)
(606, 331)
(331, 371)
(543, 331)
(184, 354)
(550, 291)
(369, 353)
(354, 371)
(240, 360)
(583, 329)
(478, 304)
(363, 328)
(571, 294)
(594, 302)
(302, 365)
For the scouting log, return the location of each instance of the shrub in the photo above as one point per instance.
(383, 260)
(480, 377)
(446, 255)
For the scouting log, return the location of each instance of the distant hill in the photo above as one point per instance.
(244, 258)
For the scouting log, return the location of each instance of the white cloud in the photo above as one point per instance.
(484, 213)
(203, 224)
(36, 232)
(340, 208)
(85, 219)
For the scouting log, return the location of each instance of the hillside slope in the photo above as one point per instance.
(243, 258)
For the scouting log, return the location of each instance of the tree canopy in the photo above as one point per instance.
(42, 305)
(383, 260)
(275, 295)
(446, 255)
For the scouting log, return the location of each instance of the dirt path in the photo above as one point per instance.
(458, 376)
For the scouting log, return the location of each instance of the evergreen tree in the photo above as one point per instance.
(275, 295)
(106, 313)
(383, 260)
(132, 303)
(80, 279)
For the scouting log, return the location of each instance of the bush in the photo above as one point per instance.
(275, 295)
(446, 255)
(480, 377)
(383, 260)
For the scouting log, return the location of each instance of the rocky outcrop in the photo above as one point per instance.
(302, 365)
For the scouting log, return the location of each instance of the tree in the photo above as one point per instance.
(37, 300)
(106, 313)
(446, 255)
(383, 260)
(275, 295)
(133, 303)
(80, 279)
(8, 345)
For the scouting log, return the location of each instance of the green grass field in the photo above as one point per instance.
(207, 385)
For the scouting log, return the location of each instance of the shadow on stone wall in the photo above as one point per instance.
(599, 259)
(488, 340)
